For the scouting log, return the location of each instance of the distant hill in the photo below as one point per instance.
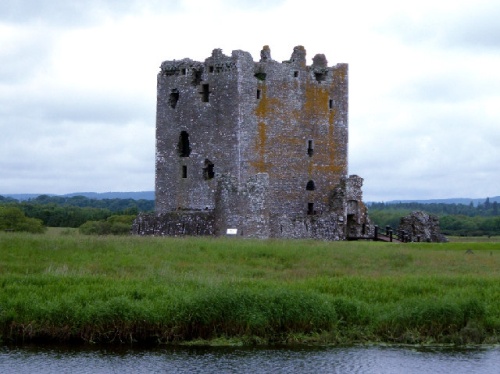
(464, 201)
(141, 195)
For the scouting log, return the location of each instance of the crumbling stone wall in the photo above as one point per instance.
(420, 226)
(175, 224)
(259, 147)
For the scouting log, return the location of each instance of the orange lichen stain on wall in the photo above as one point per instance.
(340, 74)
(265, 107)
(316, 102)
(260, 149)
(316, 110)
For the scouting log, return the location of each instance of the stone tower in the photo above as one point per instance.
(256, 149)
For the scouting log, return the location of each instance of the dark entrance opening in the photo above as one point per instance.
(310, 186)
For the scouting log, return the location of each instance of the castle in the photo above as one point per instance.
(254, 149)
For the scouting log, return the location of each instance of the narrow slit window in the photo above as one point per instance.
(183, 147)
(310, 148)
(310, 208)
(184, 171)
(310, 186)
(173, 98)
(258, 94)
(330, 104)
(205, 93)
(208, 170)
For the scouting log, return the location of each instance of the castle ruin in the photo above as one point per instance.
(254, 149)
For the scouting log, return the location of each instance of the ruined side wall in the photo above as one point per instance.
(175, 224)
(320, 227)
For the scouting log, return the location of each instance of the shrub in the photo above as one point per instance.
(12, 218)
(114, 225)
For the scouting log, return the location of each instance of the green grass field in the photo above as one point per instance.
(66, 287)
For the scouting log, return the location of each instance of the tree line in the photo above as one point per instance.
(97, 216)
(111, 216)
(454, 219)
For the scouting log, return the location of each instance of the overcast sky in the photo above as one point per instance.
(78, 86)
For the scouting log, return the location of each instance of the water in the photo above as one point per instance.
(250, 360)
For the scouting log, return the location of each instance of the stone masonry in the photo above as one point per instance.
(254, 149)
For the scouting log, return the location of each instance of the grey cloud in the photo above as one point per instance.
(474, 26)
(442, 87)
(73, 13)
(253, 4)
(44, 156)
(25, 53)
(55, 105)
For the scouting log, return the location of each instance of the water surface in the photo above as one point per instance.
(249, 360)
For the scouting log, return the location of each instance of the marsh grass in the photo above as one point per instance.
(68, 287)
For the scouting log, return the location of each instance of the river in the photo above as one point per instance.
(372, 359)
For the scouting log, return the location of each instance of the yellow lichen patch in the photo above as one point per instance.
(316, 103)
(340, 74)
(260, 147)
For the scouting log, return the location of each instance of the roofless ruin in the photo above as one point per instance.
(254, 149)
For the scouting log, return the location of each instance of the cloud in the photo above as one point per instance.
(78, 79)
(62, 13)
(463, 25)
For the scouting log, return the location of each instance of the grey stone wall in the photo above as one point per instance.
(420, 226)
(175, 224)
(260, 147)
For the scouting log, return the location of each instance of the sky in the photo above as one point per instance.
(78, 86)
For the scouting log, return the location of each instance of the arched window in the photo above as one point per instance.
(310, 186)
(183, 146)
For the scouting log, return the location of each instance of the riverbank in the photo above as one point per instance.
(74, 288)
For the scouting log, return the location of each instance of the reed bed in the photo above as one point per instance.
(66, 287)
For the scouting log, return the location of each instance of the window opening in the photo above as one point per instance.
(295, 74)
(184, 149)
(310, 208)
(205, 93)
(258, 94)
(310, 149)
(330, 103)
(183, 71)
(197, 77)
(260, 76)
(310, 186)
(211, 69)
(208, 170)
(320, 76)
(184, 171)
(174, 97)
